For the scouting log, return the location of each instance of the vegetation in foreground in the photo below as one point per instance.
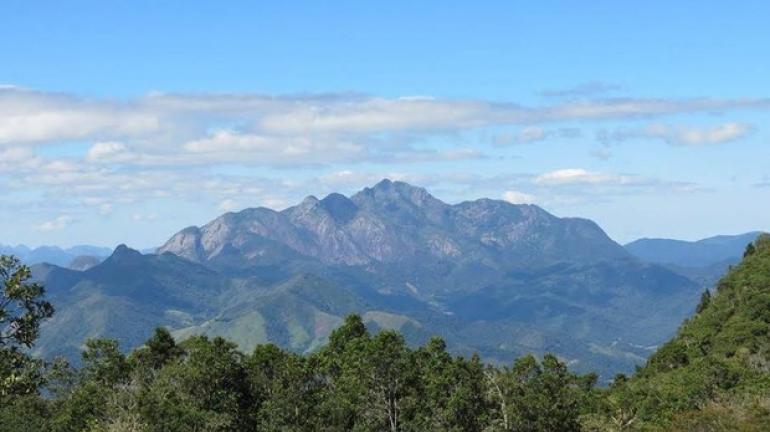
(714, 375)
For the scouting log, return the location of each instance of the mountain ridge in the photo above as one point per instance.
(389, 222)
(699, 253)
(488, 276)
(54, 254)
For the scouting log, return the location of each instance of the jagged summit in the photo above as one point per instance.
(123, 250)
(123, 253)
(309, 201)
(340, 207)
(394, 221)
(387, 190)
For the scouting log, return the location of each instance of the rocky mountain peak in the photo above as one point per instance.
(399, 197)
(309, 202)
(123, 253)
(395, 221)
(339, 207)
(185, 243)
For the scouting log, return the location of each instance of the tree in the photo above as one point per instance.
(158, 351)
(284, 389)
(705, 300)
(390, 378)
(537, 396)
(340, 365)
(22, 309)
(206, 389)
(451, 390)
(103, 362)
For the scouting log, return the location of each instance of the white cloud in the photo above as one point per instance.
(159, 123)
(691, 136)
(234, 146)
(572, 176)
(516, 197)
(376, 115)
(228, 205)
(57, 224)
(18, 160)
(32, 116)
(107, 151)
(15, 154)
(165, 145)
(139, 217)
(531, 134)
(701, 136)
(577, 185)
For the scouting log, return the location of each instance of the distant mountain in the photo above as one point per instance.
(489, 276)
(54, 254)
(704, 261)
(129, 294)
(398, 225)
(84, 262)
(701, 253)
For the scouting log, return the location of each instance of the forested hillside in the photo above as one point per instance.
(713, 375)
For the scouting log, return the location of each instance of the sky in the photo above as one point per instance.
(126, 121)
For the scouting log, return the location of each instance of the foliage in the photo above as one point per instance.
(359, 382)
(22, 309)
(713, 375)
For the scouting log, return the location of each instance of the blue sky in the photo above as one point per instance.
(127, 121)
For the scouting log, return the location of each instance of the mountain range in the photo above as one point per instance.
(79, 257)
(489, 276)
(704, 261)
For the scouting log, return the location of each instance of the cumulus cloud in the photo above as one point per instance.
(32, 116)
(230, 145)
(574, 185)
(228, 205)
(171, 145)
(57, 224)
(107, 151)
(570, 176)
(262, 121)
(15, 154)
(517, 197)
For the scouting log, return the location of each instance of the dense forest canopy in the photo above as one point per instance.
(714, 375)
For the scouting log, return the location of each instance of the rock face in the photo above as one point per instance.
(394, 222)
